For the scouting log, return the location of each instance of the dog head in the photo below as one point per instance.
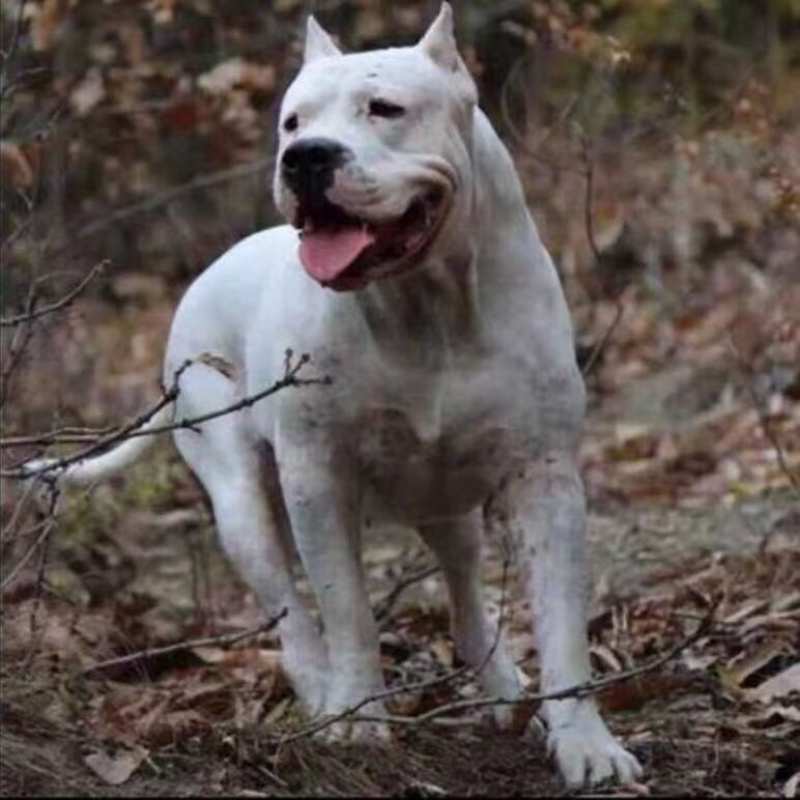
(374, 154)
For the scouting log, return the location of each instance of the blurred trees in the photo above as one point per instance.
(121, 119)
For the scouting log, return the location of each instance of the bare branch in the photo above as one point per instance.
(8, 56)
(330, 719)
(127, 431)
(47, 525)
(384, 607)
(412, 687)
(579, 690)
(588, 211)
(224, 640)
(290, 379)
(135, 429)
(31, 314)
(763, 418)
(66, 435)
(19, 342)
(173, 193)
(587, 173)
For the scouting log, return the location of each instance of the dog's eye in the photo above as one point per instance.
(290, 123)
(383, 108)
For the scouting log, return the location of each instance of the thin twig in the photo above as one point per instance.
(223, 640)
(127, 431)
(290, 379)
(330, 719)
(572, 692)
(32, 314)
(588, 176)
(8, 55)
(763, 417)
(9, 530)
(38, 584)
(135, 428)
(588, 212)
(520, 139)
(19, 343)
(60, 436)
(384, 607)
(173, 193)
(440, 680)
(47, 524)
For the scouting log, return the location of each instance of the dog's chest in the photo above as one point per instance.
(441, 449)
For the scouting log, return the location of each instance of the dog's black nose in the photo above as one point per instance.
(308, 164)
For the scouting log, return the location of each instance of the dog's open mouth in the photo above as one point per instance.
(343, 252)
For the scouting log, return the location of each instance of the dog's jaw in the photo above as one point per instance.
(345, 253)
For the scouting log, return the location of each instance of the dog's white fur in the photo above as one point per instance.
(453, 383)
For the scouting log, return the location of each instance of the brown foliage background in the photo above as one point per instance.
(659, 146)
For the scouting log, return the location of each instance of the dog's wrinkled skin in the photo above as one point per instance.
(454, 382)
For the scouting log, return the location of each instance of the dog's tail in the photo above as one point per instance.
(91, 470)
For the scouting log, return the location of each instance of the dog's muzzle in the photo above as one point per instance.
(308, 165)
(339, 248)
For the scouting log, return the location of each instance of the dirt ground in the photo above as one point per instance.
(209, 720)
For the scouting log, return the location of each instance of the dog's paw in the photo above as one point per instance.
(587, 753)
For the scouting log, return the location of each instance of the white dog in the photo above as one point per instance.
(414, 276)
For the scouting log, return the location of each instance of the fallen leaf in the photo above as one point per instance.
(606, 657)
(47, 23)
(218, 363)
(425, 789)
(238, 72)
(443, 651)
(16, 169)
(275, 713)
(735, 676)
(775, 715)
(115, 770)
(780, 685)
(747, 610)
(633, 694)
(88, 93)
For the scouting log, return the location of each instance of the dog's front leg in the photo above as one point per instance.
(322, 497)
(551, 540)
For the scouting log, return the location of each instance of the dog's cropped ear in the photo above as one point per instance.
(439, 43)
(318, 42)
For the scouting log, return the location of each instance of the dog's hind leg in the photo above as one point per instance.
(479, 640)
(230, 465)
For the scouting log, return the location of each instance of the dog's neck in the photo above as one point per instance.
(438, 310)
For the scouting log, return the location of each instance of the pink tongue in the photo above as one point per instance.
(326, 254)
